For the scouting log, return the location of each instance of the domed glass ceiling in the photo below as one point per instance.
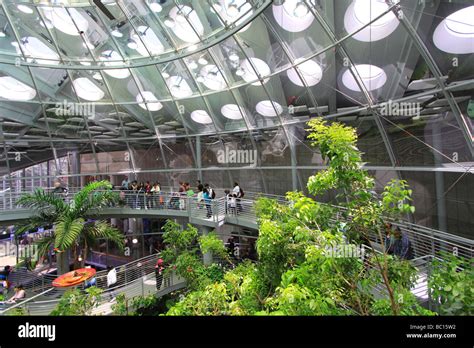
(164, 75)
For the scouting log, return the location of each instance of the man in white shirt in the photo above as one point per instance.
(237, 191)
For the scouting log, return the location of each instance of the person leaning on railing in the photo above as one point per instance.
(397, 243)
(207, 200)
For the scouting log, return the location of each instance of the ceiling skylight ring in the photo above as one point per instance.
(232, 111)
(148, 101)
(455, 34)
(372, 77)
(87, 90)
(362, 12)
(12, 89)
(201, 116)
(269, 108)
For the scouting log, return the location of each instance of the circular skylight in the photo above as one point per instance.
(212, 77)
(310, 71)
(35, 49)
(86, 89)
(111, 58)
(151, 102)
(12, 89)
(269, 108)
(187, 29)
(362, 12)
(68, 23)
(232, 111)
(146, 41)
(201, 116)
(179, 87)
(455, 34)
(293, 15)
(372, 76)
(248, 66)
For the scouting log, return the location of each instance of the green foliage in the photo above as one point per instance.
(211, 243)
(408, 305)
(395, 198)
(18, 312)
(337, 144)
(121, 306)
(452, 283)
(75, 302)
(212, 300)
(297, 272)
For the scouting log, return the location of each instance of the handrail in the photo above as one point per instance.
(174, 201)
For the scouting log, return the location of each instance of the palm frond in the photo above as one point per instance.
(42, 202)
(68, 230)
(39, 220)
(102, 229)
(93, 195)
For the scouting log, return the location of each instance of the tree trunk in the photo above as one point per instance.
(62, 262)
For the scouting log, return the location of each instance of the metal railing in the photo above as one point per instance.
(425, 241)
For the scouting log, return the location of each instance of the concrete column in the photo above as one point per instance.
(207, 257)
(439, 179)
(75, 168)
(198, 157)
(132, 226)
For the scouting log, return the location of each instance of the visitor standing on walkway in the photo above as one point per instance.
(6, 272)
(239, 194)
(159, 268)
(207, 200)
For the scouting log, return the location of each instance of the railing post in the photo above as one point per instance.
(428, 275)
(433, 251)
(188, 207)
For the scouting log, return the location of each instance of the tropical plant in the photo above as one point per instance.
(75, 226)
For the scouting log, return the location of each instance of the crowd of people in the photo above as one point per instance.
(147, 195)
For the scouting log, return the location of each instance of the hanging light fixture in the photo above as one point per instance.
(233, 9)
(202, 60)
(155, 7)
(300, 9)
(132, 44)
(116, 33)
(169, 22)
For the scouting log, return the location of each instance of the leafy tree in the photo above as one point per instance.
(76, 302)
(298, 271)
(451, 283)
(74, 225)
(183, 254)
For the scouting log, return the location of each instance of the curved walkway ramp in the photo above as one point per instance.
(136, 278)
(215, 213)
